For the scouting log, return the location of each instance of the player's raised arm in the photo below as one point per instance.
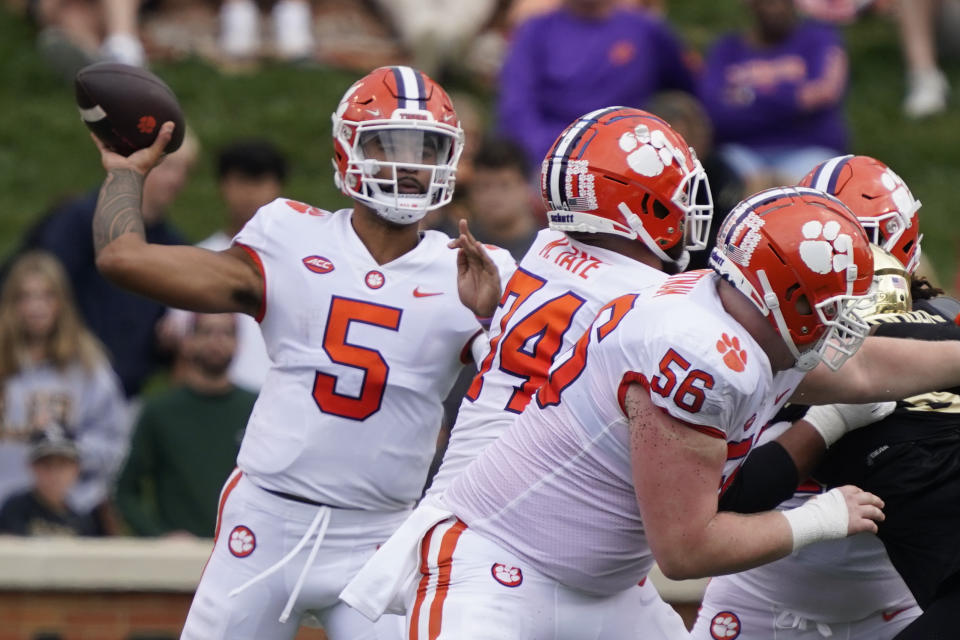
(885, 369)
(180, 276)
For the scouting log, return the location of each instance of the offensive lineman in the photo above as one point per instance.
(628, 199)
(340, 439)
(549, 537)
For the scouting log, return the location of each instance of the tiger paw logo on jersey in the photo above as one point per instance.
(734, 356)
(507, 576)
(825, 248)
(374, 279)
(649, 153)
(725, 626)
(242, 541)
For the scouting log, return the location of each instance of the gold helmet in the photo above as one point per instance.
(891, 286)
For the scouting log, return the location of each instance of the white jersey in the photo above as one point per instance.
(831, 581)
(363, 355)
(550, 300)
(556, 489)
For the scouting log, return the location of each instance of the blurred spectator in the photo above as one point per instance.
(186, 440)
(833, 11)
(124, 322)
(54, 373)
(75, 33)
(520, 10)
(775, 95)
(927, 86)
(472, 121)
(582, 56)
(437, 33)
(250, 174)
(122, 40)
(499, 199)
(292, 29)
(688, 117)
(43, 510)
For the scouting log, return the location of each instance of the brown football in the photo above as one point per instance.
(125, 106)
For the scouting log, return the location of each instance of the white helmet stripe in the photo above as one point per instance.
(563, 147)
(746, 207)
(826, 177)
(408, 88)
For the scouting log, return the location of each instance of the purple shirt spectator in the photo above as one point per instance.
(562, 65)
(787, 94)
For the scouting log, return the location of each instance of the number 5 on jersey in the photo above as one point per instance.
(343, 312)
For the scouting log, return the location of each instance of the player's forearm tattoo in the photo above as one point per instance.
(118, 207)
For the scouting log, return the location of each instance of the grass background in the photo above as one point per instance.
(45, 153)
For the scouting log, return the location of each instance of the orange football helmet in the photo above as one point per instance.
(627, 172)
(804, 260)
(396, 144)
(880, 200)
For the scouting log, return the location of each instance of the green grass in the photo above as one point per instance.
(45, 152)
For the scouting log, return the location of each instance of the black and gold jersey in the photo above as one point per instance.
(916, 418)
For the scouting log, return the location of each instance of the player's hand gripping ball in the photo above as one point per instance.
(124, 106)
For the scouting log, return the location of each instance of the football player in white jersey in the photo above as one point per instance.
(846, 588)
(627, 198)
(367, 321)
(619, 458)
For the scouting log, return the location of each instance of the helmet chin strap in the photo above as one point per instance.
(637, 225)
(805, 361)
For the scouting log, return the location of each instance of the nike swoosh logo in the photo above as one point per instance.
(780, 397)
(423, 294)
(890, 615)
(374, 112)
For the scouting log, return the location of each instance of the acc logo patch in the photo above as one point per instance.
(725, 626)
(374, 279)
(507, 576)
(242, 541)
(318, 264)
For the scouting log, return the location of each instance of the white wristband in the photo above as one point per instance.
(827, 421)
(833, 421)
(824, 517)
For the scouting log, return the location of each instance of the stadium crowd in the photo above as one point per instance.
(129, 387)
